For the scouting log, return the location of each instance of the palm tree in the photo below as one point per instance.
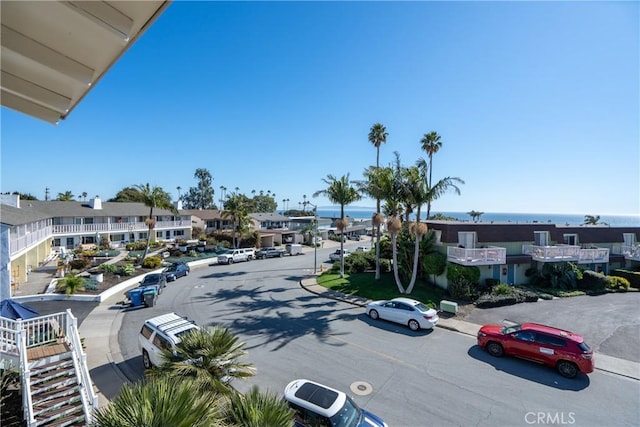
(166, 401)
(256, 409)
(591, 220)
(378, 184)
(475, 215)
(431, 144)
(235, 207)
(377, 136)
(339, 191)
(84, 196)
(213, 360)
(153, 197)
(71, 284)
(67, 196)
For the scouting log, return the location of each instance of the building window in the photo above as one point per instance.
(571, 239)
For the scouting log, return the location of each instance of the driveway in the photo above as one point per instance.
(609, 323)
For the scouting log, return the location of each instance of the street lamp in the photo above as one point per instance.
(315, 237)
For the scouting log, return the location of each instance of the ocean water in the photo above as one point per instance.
(517, 218)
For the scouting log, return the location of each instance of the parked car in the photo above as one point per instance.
(563, 350)
(335, 256)
(405, 311)
(361, 249)
(315, 404)
(174, 271)
(233, 255)
(162, 332)
(353, 237)
(154, 279)
(251, 253)
(269, 252)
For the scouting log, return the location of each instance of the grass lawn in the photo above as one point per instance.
(365, 285)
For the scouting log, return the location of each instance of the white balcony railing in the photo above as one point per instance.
(552, 253)
(630, 252)
(116, 227)
(17, 244)
(493, 255)
(594, 255)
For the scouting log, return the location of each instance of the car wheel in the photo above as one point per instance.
(186, 273)
(145, 360)
(374, 314)
(414, 325)
(230, 261)
(495, 349)
(567, 369)
(281, 254)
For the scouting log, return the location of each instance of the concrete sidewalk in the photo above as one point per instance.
(603, 362)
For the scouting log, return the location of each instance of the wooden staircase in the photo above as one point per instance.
(55, 387)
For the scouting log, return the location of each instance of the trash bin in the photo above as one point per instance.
(135, 295)
(150, 297)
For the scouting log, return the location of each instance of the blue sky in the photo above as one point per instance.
(537, 104)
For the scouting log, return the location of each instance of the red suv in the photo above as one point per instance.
(563, 350)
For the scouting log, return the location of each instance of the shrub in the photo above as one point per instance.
(502, 289)
(385, 265)
(618, 283)
(152, 262)
(593, 281)
(461, 289)
(108, 268)
(632, 276)
(127, 270)
(358, 262)
(71, 284)
(491, 300)
(471, 274)
(79, 264)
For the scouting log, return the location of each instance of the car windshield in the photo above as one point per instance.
(348, 416)
(151, 278)
(511, 329)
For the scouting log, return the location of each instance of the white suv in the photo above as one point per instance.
(315, 404)
(159, 333)
(233, 255)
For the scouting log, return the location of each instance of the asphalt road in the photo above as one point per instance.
(409, 378)
(610, 323)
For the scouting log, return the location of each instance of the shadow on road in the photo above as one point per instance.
(530, 371)
(395, 328)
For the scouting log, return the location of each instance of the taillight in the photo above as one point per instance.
(428, 317)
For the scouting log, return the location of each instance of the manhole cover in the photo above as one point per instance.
(361, 388)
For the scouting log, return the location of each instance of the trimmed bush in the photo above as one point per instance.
(108, 268)
(632, 276)
(490, 300)
(152, 262)
(461, 289)
(618, 283)
(592, 281)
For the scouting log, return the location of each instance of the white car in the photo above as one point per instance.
(405, 311)
(162, 332)
(335, 256)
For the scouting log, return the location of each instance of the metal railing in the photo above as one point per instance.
(17, 244)
(493, 255)
(594, 255)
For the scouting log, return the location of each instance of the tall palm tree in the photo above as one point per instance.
(84, 196)
(339, 191)
(153, 197)
(475, 215)
(235, 208)
(378, 136)
(430, 144)
(161, 401)
(67, 196)
(210, 357)
(258, 409)
(378, 184)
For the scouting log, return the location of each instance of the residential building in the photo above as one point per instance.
(504, 251)
(33, 231)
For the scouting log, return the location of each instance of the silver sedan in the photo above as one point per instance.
(405, 311)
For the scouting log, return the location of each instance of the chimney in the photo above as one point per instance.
(179, 205)
(10, 200)
(96, 203)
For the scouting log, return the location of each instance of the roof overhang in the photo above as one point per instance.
(54, 52)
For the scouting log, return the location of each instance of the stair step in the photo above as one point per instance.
(42, 406)
(57, 416)
(36, 367)
(53, 393)
(52, 375)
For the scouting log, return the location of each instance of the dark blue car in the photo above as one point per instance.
(176, 270)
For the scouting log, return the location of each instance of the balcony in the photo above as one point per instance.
(553, 253)
(630, 252)
(116, 227)
(493, 255)
(594, 255)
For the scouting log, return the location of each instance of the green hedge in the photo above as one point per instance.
(632, 276)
